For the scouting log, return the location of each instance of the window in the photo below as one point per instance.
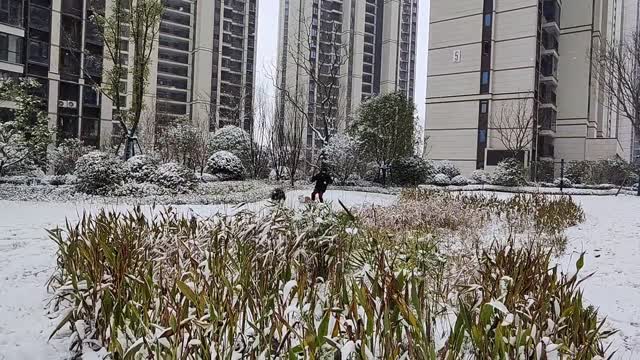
(485, 78)
(10, 48)
(488, 19)
(486, 48)
(482, 136)
(11, 12)
(484, 107)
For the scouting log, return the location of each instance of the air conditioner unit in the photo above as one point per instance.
(69, 104)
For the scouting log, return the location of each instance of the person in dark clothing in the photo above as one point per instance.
(322, 180)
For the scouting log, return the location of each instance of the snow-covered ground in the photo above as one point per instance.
(27, 259)
(611, 239)
(610, 236)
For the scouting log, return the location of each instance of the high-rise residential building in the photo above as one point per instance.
(369, 47)
(202, 67)
(490, 55)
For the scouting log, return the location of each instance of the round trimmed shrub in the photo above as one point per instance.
(579, 172)
(174, 177)
(226, 166)
(411, 171)
(460, 181)
(566, 183)
(441, 180)
(448, 168)
(480, 177)
(509, 173)
(234, 140)
(99, 173)
(141, 168)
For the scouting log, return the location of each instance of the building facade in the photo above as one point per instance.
(202, 65)
(373, 40)
(491, 55)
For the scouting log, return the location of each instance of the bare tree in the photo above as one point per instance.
(616, 67)
(514, 122)
(286, 143)
(319, 55)
(259, 132)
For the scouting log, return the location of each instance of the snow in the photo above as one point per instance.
(611, 239)
(27, 259)
(610, 236)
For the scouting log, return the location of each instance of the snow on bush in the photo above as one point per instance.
(59, 180)
(234, 140)
(441, 179)
(99, 173)
(342, 156)
(460, 181)
(225, 165)
(480, 176)
(448, 168)
(207, 178)
(371, 172)
(141, 168)
(508, 173)
(411, 171)
(566, 183)
(13, 148)
(134, 189)
(64, 157)
(175, 177)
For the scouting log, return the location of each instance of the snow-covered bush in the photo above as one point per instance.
(281, 173)
(99, 173)
(134, 189)
(174, 177)
(635, 186)
(441, 180)
(579, 172)
(234, 140)
(64, 157)
(460, 181)
(508, 173)
(342, 156)
(141, 168)
(544, 170)
(13, 148)
(480, 177)
(59, 180)
(185, 144)
(371, 172)
(225, 165)
(566, 183)
(411, 171)
(448, 168)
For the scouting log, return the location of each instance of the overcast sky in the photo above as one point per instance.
(267, 47)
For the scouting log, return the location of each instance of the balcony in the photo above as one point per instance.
(549, 70)
(548, 97)
(551, 12)
(547, 122)
(11, 13)
(546, 150)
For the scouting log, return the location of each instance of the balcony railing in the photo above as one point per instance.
(551, 11)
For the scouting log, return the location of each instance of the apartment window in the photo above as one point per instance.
(11, 12)
(488, 18)
(485, 78)
(486, 47)
(482, 136)
(10, 48)
(484, 107)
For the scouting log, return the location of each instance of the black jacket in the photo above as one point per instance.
(322, 181)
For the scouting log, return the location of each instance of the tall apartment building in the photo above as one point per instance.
(375, 38)
(487, 55)
(202, 67)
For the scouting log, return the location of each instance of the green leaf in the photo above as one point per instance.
(186, 290)
(66, 318)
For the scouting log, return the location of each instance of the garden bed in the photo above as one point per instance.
(587, 190)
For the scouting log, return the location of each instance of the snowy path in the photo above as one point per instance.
(27, 258)
(611, 238)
